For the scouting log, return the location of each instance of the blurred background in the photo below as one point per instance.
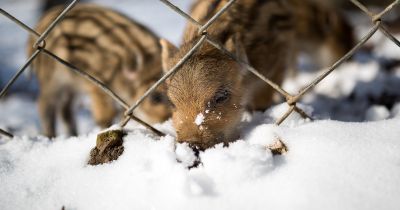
(13, 38)
(18, 111)
(365, 89)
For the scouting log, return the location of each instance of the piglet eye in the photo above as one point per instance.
(157, 98)
(221, 96)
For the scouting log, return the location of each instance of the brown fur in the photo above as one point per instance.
(210, 83)
(111, 47)
(321, 31)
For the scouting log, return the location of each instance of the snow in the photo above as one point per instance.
(330, 165)
(348, 92)
(387, 48)
(199, 119)
(375, 113)
(347, 159)
(396, 110)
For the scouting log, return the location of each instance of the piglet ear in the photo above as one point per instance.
(167, 51)
(235, 46)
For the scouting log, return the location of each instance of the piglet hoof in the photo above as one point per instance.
(108, 147)
(278, 147)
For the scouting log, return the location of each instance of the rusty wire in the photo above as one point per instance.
(291, 100)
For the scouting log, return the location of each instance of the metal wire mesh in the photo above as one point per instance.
(291, 100)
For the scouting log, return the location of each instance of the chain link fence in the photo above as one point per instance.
(291, 100)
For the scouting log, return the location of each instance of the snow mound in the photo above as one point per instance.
(330, 165)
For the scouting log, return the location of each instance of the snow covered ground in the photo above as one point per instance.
(330, 165)
(348, 159)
